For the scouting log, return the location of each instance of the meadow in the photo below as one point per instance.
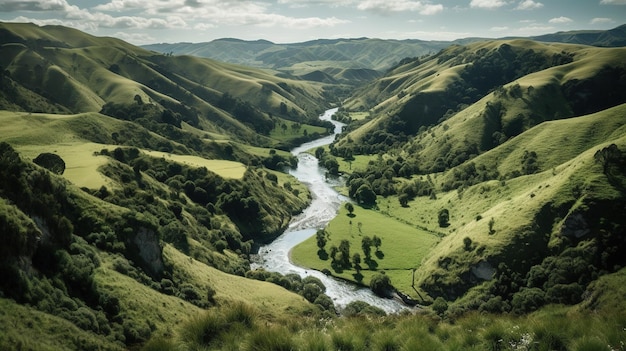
(403, 247)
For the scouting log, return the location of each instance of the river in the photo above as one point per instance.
(324, 206)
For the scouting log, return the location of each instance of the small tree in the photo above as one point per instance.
(492, 222)
(467, 243)
(356, 262)
(349, 207)
(376, 241)
(366, 245)
(320, 237)
(381, 284)
(344, 249)
(444, 218)
(52, 162)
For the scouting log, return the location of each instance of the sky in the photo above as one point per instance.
(288, 21)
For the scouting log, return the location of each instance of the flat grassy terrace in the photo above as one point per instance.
(403, 247)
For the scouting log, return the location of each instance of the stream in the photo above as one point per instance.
(274, 257)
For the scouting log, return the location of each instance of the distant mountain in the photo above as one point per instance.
(337, 58)
(333, 56)
(607, 38)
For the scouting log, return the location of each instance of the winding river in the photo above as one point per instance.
(324, 206)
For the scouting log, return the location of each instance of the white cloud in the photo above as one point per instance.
(35, 6)
(613, 2)
(386, 6)
(487, 4)
(499, 29)
(561, 20)
(529, 5)
(601, 20)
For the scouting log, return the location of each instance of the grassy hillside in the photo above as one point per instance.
(134, 186)
(511, 154)
(65, 69)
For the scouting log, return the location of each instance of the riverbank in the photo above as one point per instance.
(325, 205)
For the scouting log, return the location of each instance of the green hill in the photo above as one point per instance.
(501, 149)
(135, 186)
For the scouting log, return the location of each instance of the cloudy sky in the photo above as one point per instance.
(285, 21)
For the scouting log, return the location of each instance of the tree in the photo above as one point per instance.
(356, 262)
(320, 237)
(381, 284)
(319, 153)
(366, 245)
(52, 162)
(283, 126)
(350, 208)
(365, 195)
(492, 222)
(467, 243)
(444, 218)
(344, 249)
(376, 241)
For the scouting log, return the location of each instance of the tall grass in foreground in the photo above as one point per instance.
(240, 327)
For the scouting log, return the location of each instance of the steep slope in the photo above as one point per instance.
(512, 153)
(82, 73)
(135, 200)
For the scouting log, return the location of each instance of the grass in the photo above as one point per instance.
(403, 246)
(553, 327)
(357, 116)
(280, 134)
(223, 168)
(25, 328)
(269, 299)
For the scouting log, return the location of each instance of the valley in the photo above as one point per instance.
(168, 201)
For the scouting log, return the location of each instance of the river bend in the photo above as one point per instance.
(324, 206)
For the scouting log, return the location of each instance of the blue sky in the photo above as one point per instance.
(285, 21)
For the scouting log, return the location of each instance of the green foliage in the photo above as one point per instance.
(443, 218)
(440, 306)
(52, 162)
(380, 284)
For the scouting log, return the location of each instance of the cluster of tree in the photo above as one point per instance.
(311, 288)
(327, 161)
(64, 259)
(246, 113)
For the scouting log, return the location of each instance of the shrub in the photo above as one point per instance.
(381, 284)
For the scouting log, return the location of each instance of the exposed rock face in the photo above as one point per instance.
(484, 270)
(149, 250)
(575, 226)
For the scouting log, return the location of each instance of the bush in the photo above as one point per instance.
(381, 285)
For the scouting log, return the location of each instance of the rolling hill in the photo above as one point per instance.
(134, 187)
(350, 60)
(500, 148)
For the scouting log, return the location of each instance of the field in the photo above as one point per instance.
(223, 168)
(293, 130)
(403, 246)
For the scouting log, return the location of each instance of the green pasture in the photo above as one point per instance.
(223, 168)
(403, 246)
(280, 134)
(357, 116)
